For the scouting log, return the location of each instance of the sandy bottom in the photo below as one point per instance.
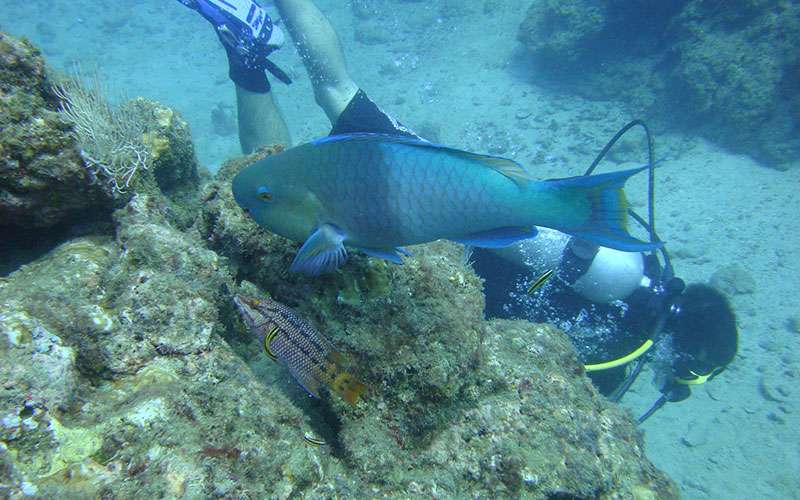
(738, 436)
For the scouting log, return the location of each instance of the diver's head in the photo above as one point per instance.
(704, 334)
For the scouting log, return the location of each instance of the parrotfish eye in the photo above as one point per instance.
(264, 194)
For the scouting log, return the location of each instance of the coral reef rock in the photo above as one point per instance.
(127, 372)
(43, 180)
(117, 382)
(730, 73)
(170, 146)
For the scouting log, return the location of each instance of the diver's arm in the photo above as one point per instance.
(319, 47)
(261, 122)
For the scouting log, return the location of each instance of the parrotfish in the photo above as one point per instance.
(309, 356)
(378, 193)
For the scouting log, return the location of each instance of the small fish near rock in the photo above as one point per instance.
(295, 343)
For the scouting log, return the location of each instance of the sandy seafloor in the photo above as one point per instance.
(464, 77)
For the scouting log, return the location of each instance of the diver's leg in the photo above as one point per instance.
(248, 43)
(322, 55)
(261, 122)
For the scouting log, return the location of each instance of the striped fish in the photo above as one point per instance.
(313, 440)
(294, 342)
(540, 281)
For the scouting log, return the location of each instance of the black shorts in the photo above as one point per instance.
(363, 116)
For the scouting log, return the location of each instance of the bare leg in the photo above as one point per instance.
(261, 123)
(321, 52)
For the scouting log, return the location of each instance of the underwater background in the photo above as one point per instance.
(126, 371)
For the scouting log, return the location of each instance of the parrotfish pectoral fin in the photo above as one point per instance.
(606, 221)
(497, 238)
(323, 252)
(390, 254)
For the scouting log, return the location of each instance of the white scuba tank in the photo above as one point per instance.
(612, 275)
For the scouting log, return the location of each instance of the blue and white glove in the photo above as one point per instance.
(249, 37)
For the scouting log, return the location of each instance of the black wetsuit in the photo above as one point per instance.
(363, 116)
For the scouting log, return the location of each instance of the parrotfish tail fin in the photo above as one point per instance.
(606, 223)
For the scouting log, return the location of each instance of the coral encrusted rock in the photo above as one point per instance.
(43, 179)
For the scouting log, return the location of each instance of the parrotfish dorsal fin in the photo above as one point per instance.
(508, 168)
(374, 137)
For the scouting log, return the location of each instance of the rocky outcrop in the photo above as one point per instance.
(43, 180)
(50, 188)
(728, 71)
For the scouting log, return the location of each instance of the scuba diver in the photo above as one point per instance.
(619, 308)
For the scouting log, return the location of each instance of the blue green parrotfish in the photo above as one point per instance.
(377, 193)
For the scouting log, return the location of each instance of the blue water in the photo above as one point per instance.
(456, 72)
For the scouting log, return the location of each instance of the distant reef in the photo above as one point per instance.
(727, 69)
(125, 371)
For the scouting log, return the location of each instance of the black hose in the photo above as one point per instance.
(668, 272)
(629, 380)
(660, 402)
